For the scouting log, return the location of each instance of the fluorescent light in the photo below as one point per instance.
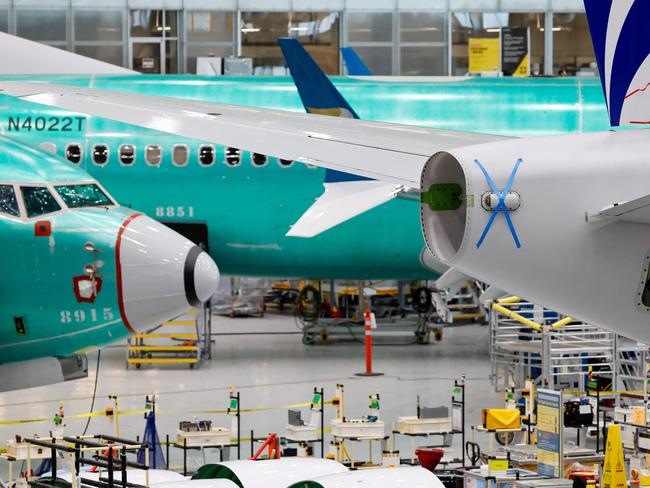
(493, 29)
(246, 30)
(298, 29)
(555, 29)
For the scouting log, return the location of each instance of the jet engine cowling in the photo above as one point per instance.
(524, 216)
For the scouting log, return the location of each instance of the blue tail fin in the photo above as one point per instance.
(620, 33)
(353, 63)
(318, 94)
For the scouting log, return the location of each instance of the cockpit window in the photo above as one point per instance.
(83, 195)
(8, 202)
(38, 201)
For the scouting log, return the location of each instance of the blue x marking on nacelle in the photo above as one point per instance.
(501, 206)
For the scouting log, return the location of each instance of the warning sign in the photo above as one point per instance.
(483, 55)
(614, 469)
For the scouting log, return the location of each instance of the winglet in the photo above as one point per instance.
(353, 63)
(621, 39)
(318, 94)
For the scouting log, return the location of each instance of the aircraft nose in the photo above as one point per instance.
(160, 274)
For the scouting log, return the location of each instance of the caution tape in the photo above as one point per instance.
(104, 413)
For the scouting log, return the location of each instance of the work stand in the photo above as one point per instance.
(201, 447)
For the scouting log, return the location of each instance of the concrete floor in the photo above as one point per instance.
(270, 371)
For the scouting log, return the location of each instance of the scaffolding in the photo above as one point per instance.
(185, 340)
(529, 341)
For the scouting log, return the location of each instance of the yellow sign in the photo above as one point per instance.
(522, 69)
(614, 469)
(484, 54)
(496, 465)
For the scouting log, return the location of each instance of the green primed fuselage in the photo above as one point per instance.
(39, 311)
(248, 209)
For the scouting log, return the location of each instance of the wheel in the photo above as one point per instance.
(191, 366)
(137, 365)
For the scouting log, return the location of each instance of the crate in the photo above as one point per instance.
(358, 429)
(414, 425)
(217, 436)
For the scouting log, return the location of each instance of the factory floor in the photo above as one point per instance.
(271, 370)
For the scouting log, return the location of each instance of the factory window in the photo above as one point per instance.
(317, 31)
(112, 54)
(38, 201)
(154, 23)
(206, 26)
(100, 154)
(98, 25)
(84, 195)
(285, 163)
(206, 155)
(127, 154)
(4, 20)
(423, 43)
(233, 156)
(477, 27)
(8, 201)
(180, 154)
(153, 155)
(573, 52)
(258, 159)
(46, 25)
(73, 153)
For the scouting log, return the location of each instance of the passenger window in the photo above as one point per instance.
(127, 154)
(73, 153)
(38, 201)
(206, 155)
(8, 202)
(233, 156)
(180, 154)
(285, 163)
(153, 155)
(258, 159)
(100, 154)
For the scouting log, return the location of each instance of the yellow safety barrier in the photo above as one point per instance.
(163, 361)
(509, 300)
(102, 413)
(515, 316)
(165, 336)
(561, 323)
(163, 348)
(525, 321)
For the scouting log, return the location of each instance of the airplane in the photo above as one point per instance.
(222, 178)
(80, 271)
(561, 220)
(353, 63)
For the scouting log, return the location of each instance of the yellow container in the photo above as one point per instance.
(501, 418)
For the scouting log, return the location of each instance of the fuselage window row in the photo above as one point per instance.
(100, 154)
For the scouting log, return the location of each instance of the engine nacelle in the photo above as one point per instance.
(547, 241)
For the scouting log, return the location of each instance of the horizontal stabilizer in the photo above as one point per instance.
(637, 210)
(341, 202)
(23, 57)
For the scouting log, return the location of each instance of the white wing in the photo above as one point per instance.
(637, 210)
(388, 152)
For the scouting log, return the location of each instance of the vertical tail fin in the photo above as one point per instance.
(318, 94)
(353, 63)
(620, 32)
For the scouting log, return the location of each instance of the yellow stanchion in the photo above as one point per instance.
(515, 316)
(512, 299)
(561, 323)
